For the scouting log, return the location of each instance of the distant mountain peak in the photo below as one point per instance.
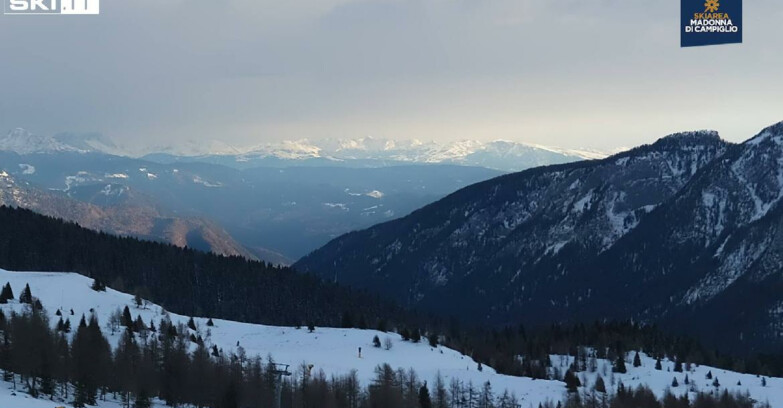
(22, 141)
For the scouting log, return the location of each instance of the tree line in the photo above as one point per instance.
(192, 283)
(169, 363)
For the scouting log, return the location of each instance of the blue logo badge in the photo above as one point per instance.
(710, 22)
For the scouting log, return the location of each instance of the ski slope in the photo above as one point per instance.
(335, 351)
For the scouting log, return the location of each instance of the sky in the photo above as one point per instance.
(598, 74)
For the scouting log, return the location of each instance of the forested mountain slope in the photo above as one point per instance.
(683, 232)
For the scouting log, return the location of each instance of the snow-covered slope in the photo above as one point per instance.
(335, 351)
(660, 381)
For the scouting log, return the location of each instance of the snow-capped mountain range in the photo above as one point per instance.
(366, 152)
(23, 142)
(682, 232)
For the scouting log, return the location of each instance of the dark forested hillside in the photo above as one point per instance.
(182, 280)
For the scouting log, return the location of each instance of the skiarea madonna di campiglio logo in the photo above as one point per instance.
(710, 22)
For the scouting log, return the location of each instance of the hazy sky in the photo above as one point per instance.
(571, 73)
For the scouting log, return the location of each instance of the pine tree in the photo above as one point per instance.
(637, 360)
(678, 366)
(709, 375)
(415, 335)
(98, 286)
(138, 325)
(716, 383)
(433, 340)
(424, 397)
(405, 334)
(191, 324)
(571, 381)
(127, 319)
(600, 386)
(210, 323)
(675, 384)
(26, 296)
(658, 365)
(7, 294)
(376, 342)
(619, 365)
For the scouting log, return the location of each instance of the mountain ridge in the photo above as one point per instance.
(366, 151)
(573, 241)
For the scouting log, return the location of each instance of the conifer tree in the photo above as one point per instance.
(433, 340)
(127, 319)
(571, 381)
(675, 384)
(415, 335)
(98, 286)
(191, 324)
(637, 360)
(7, 294)
(678, 366)
(658, 365)
(138, 325)
(600, 386)
(619, 365)
(424, 397)
(405, 334)
(26, 296)
(376, 342)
